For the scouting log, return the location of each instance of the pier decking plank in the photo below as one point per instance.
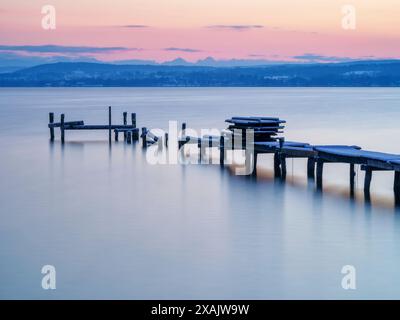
(272, 146)
(395, 164)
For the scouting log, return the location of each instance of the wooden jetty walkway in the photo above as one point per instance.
(265, 131)
(266, 141)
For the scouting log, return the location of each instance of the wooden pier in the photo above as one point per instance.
(267, 142)
(131, 133)
(265, 131)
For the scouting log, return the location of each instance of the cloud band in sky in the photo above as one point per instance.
(64, 49)
(135, 26)
(237, 27)
(189, 50)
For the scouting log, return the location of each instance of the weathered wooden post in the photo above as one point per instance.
(125, 115)
(133, 119)
(135, 134)
(62, 128)
(397, 199)
(311, 168)
(166, 139)
(282, 159)
(210, 149)
(368, 179)
(183, 133)
(116, 135)
(129, 137)
(51, 121)
(227, 147)
(396, 186)
(320, 170)
(277, 165)
(144, 138)
(255, 155)
(222, 150)
(109, 124)
(352, 179)
(199, 147)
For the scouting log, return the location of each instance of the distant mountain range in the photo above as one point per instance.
(12, 62)
(207, 62)
(181, 73)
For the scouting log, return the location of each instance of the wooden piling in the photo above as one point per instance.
(397, 199)
(62, 128)
(311, 168)
(116, 135)
(255, 155)
(129, 137)
(277, 165)
(221, 150)
(396, 189)
(320, 170)
(352, 179)
(124, 116)
(144, 137)
(199, 147)
(109, 124)
(396, 186)
(183, 133)
(368, 178)
(283, 166)
(135, 135)
(210, 149)
(51, 121)
(133, 119)
(282, 159)
(367, 185)
(166, 140)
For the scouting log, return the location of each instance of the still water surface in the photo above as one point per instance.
(117, 227)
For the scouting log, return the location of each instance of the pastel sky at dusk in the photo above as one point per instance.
(195, 29)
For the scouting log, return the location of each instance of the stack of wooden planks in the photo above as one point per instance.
(265, 128)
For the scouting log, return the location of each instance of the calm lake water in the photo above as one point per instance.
(117, 227)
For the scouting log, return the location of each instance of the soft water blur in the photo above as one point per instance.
(117, 227)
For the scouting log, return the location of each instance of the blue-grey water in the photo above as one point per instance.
(117, 227)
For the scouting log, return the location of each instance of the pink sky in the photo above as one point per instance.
(195, 29)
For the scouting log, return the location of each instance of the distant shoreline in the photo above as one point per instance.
(351, 74)
(200, 87)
